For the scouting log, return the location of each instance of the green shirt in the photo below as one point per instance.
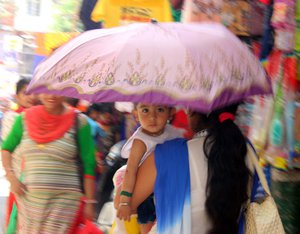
(85, 141)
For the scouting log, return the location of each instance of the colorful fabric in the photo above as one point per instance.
(121, 12)
(85, 141)
(12, 214)
(172, 196)
(88, 227)
(10, 204)
(20, 109)
(12, 223)
(176, 14)
(267, 2)
(95, 128)
(44, 127)
(199, 10)
(242, 17)
(50, 172)
(180, 120)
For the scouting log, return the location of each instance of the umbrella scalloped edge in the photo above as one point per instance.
(154, 97)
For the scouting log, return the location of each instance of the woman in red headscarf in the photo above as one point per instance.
(51, 140)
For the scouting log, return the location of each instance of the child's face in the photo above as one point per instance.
(24, 99)
(153, 118)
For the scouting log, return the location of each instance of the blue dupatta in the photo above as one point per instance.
(172, 189)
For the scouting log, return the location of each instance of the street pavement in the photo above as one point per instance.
(4, 188)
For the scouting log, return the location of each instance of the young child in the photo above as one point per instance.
(153, 130)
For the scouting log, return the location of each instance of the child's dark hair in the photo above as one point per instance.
(136, 104)
(21, 84)
(228, 176)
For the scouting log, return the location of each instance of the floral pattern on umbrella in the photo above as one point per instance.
(201, 66)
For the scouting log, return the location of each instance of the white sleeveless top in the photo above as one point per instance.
(169, 133)
(198, 176)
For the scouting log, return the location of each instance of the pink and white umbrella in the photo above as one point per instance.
(202, 66)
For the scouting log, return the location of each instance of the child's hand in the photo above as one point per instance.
(124, 212)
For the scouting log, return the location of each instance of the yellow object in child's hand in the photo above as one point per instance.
(124, 211)
(131, 227)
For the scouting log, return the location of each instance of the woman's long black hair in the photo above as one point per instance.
(227, 183)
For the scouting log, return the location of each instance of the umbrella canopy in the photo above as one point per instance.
(202, 66)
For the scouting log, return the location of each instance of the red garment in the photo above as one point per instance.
(88, 227)
(267, 2)
(20, 109)
(9, 205)
(83, 226)
(44, 127)
(181, 121)
(273, 65)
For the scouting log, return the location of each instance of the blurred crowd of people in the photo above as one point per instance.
(54, 149)
(167, 170)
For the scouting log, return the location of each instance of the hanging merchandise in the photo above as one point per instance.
(199, 10)
(176, 8)
(283, 20)
(284, 40)
(267, 41)
(298, 66)
(267, 2)
(243, 17)
(281, 118)
(258, 132)
(244, 116)
(259, 129)
(276, 151)
(114, 13)
(290, 111)
(283, 144)
(296, 152)
(297, 34)
(283, 14)
(293, 112)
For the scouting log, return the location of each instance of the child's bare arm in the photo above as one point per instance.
(117, 198)
(138, 149)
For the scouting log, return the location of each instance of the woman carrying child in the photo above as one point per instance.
(154, 130)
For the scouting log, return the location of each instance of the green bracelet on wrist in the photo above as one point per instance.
(125, 193)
